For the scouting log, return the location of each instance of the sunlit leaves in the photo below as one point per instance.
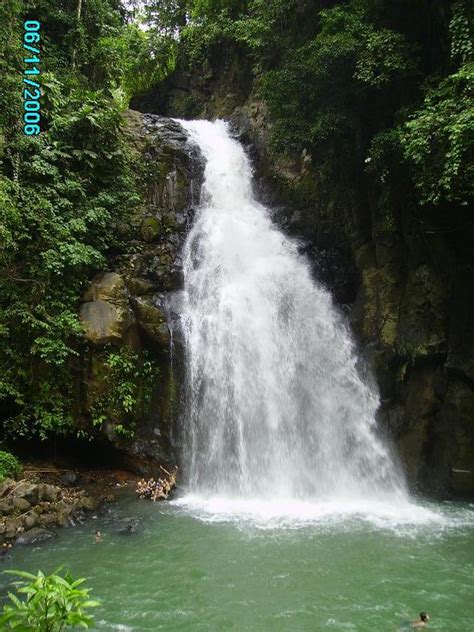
(47, 603)
(438, 139)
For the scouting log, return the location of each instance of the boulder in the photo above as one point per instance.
(21, 504)
(48, 518)
(150, 229)
(6, 507)
(87, 503)
(69, 478)
(138, 286)
(10, 528)
(6, 486)
(30, 520)
(35, 535)
(104, 322)
(108, 286)
(152, 320)
(49, 493)
(63, 513)
(28, 491)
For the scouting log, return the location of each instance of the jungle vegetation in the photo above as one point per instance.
(368, 85)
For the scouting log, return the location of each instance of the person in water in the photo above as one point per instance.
(98, 537)
(422, 622)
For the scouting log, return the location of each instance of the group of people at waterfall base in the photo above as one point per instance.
(157, 490)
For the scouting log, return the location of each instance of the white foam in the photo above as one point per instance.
(287, 513)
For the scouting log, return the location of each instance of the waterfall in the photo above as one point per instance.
(278, 407)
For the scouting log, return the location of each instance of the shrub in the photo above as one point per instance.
(52, 603)
(9, 465)
(437, 141)
(126, 390)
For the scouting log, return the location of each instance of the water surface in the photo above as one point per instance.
(195, 565)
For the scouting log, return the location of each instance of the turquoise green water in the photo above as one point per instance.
(188, 570)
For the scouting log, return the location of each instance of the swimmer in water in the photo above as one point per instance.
(422, 622)
(98, 537)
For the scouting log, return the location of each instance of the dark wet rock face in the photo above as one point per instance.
(128, 305)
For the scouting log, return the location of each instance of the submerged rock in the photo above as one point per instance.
(130, 527)
(35, 536)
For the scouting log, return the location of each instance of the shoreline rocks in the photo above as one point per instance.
(29, 510)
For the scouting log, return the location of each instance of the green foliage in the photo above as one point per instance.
(461, 30)
(435, 138)
(72, 185)
(166, 16)
(383, 56)
(338, 80)
(10, 60)
(368, 87)
(9, 465)
(47, 603)
(438, 138)
(62, 194)
(211, 8)
(321, 94)
(147, 58)
(205, 26)
(126, 390)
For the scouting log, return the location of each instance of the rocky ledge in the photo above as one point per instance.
(29, 511)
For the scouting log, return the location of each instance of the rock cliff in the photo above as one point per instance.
(128, 312)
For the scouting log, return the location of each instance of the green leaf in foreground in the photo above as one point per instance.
(51, 603)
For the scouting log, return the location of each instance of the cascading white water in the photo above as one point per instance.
(277, 406)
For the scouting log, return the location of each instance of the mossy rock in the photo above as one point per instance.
(150, 229)
(103, 322)
(152, 320)
(107, 286)
(137, 286)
